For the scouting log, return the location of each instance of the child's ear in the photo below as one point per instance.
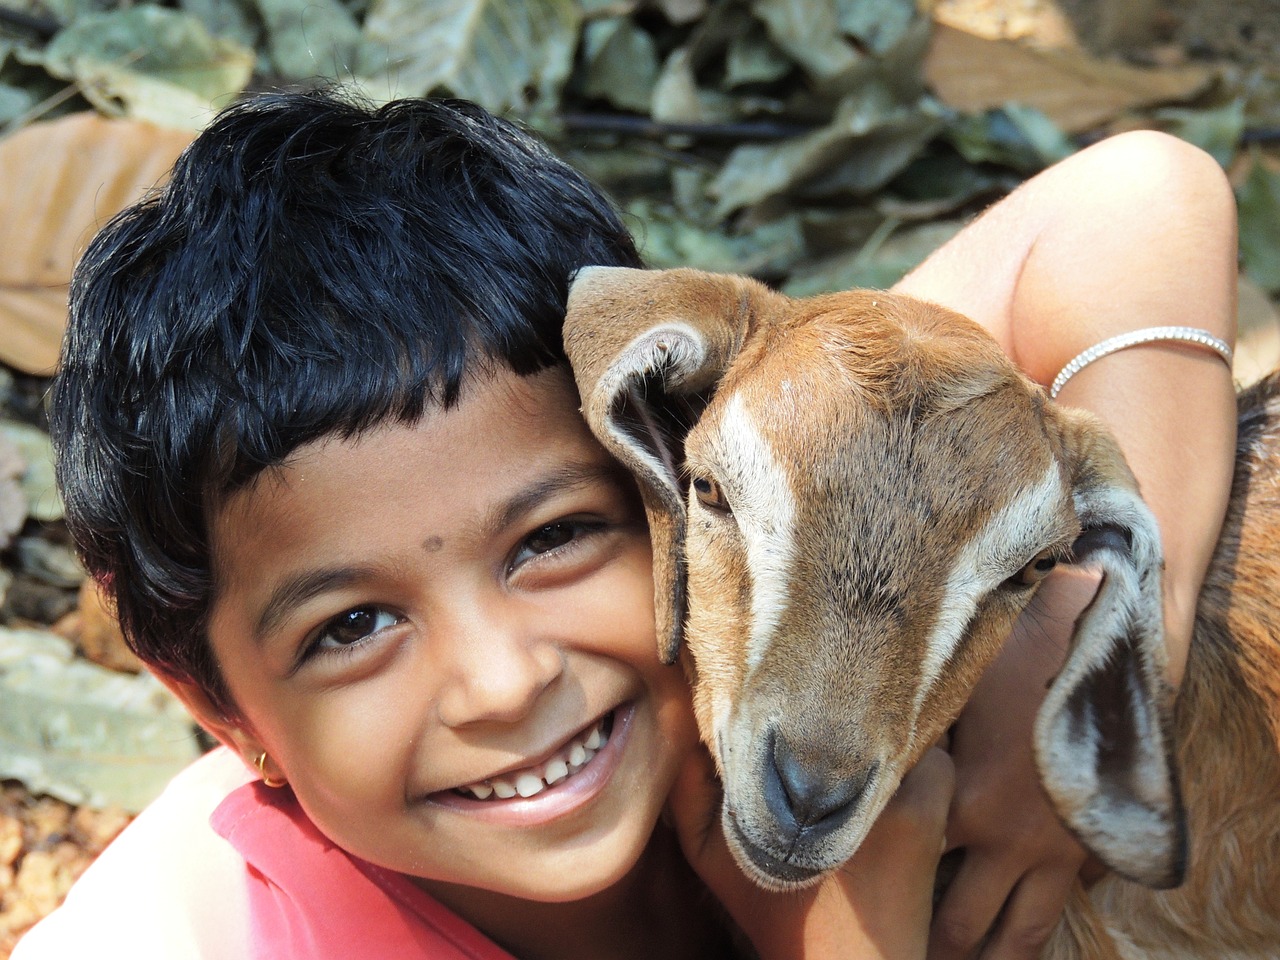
(229, 731)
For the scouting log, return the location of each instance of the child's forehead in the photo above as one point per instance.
(504, 431)
(549, 395)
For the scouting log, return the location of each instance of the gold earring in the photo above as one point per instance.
(261, 763)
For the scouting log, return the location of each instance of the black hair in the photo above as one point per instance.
(315, 266)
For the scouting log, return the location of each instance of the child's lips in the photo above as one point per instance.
(572, 775)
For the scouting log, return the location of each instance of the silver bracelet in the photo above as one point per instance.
(1201, 338)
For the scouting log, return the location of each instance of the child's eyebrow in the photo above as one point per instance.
(299, 589)
(565, 478)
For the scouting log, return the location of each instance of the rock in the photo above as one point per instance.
(13, 501)
(49, 562)
(82, 733)
(30, 600)
(43, 501)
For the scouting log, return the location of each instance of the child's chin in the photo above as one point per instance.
(595, 872)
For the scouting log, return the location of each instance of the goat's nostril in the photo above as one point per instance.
(803, 795)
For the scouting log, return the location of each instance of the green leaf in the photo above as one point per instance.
(310, 38)
(504, 54)
(149, 63)
(880, 263)
(677, 98)
(14, 102)
(869, 140)
(753, 58)
(1259, 201)
(667, 239)
(937, 182)
(619, 63)
(623, 170)
(809, 31)
(230, 19)
(879, 24)
(68, 11)
(1217, 131)
(1017, 136)
(83, 733)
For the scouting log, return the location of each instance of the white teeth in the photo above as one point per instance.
(531, 782)
(527, 784)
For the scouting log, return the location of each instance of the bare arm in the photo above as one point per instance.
(1137, 231)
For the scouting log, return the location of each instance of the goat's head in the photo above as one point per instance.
(851, 499)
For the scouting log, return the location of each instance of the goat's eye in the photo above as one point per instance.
(710, 495)
(1035, 571)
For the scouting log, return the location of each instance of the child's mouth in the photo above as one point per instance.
(564, 765)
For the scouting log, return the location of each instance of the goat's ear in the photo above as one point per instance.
(647, 349)
(1103, 738)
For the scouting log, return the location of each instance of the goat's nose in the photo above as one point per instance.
(804, 795)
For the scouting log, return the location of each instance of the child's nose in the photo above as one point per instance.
(497, 669)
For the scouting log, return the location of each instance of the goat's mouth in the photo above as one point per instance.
(768, 869)
(784, 839)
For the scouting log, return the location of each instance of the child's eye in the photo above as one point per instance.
(352, 626)
(550, 537)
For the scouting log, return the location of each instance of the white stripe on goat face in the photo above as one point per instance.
(1009, 538)
(764, 508)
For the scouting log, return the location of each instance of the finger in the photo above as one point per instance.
(969, 908)
(929, 785)
(1030, 916)
(916, 816)
(891, 876)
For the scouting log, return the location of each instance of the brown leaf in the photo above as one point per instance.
(1076, 91)
(95, 631)
(62, 181)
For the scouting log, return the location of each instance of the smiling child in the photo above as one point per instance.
(316, 435)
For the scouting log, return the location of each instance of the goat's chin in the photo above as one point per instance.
(762, 867)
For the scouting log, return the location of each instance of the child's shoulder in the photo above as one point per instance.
(167, 887)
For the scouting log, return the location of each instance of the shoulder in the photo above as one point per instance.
(168, 887)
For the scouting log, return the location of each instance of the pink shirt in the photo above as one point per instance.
(221, 866)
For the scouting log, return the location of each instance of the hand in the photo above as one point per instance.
(876, 907)
(1019, 861)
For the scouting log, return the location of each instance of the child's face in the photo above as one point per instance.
(465, 603)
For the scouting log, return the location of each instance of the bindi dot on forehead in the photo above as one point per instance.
(432, 544)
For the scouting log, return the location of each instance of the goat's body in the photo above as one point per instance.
(1227, 723)
(876, 492)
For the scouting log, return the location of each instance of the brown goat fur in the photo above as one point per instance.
(852, 497)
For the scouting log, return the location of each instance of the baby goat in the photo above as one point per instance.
(851, 499)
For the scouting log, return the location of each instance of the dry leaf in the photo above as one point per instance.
(1076, 91)
(62, 181)
(95, 631)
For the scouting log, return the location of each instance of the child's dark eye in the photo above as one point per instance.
(551, 537)
(352, 626)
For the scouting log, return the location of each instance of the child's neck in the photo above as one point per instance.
(660, 909)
